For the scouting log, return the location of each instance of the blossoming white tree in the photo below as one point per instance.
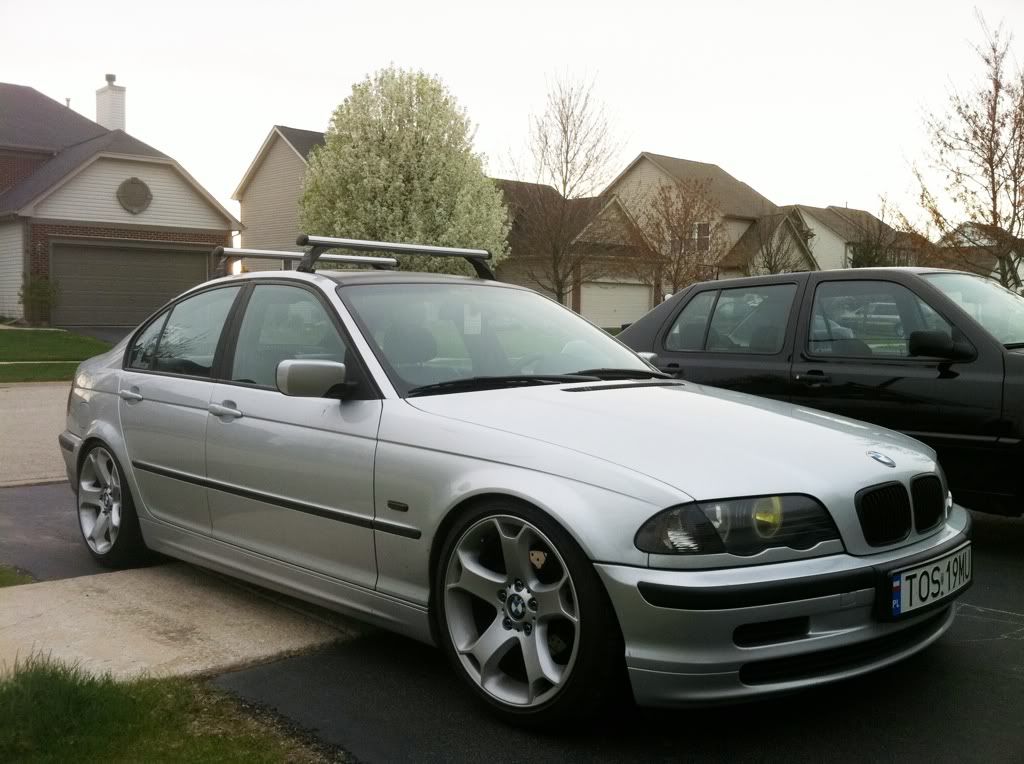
(398, 165)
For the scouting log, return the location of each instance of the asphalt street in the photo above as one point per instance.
(385, 698)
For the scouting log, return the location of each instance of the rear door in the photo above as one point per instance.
(292, 478)
(738, 338)
(165, 390)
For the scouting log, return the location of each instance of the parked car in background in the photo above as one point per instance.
(474, 465)
(935, 354)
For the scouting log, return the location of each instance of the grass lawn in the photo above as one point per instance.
(55, 713)
(46, 347)
(12, 577)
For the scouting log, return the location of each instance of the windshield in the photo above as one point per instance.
(430, 334)
(997, 309)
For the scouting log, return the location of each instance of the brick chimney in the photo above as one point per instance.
(110, 105)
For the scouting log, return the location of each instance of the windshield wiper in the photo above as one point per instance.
(494, 382)
(1014, 345)
(624, 374)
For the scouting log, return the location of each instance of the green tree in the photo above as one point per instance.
(398, 165)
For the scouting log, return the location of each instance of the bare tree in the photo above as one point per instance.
(881, 244)
(977, 147)
(572, 148)
(778, 244)
(678, 236)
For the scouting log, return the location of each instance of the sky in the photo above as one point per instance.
(808, 102)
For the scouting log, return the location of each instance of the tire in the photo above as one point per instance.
(106, 512)
(544, 669)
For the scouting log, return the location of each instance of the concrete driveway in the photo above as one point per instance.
(32, 415)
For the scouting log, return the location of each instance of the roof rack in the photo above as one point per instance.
(225, 253)
(319, 244)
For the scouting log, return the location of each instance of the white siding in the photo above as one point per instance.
(734, 230)
(611, 304)
(828, 248)
(92, 195)
(270, 203)
(516, 272)
(639, 184)
(12, 264)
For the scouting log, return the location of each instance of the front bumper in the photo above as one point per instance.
(712, 636)
(69, 446)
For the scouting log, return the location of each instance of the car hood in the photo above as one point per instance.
(705, 442)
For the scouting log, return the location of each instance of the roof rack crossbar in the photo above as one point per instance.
(223, 254)
(319, 244)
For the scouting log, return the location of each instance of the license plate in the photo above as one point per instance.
(931, 582)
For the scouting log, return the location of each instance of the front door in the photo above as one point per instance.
(165, 391)
(292, 478)
(853, 359)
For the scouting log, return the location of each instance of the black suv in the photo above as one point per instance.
(936, 354)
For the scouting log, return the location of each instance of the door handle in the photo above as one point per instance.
(130, 396)
(225, 410)
(674, 369)
(813, 378)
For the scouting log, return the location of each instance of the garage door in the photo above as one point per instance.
(610, 305)
(118, 286)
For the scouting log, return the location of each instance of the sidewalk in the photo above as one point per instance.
(31, 417)
(171, 619)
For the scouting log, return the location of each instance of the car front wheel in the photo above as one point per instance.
(524, 618)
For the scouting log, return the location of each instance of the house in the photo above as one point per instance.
(268, 194)
(839, 233)
(114, 225)
(980, 248)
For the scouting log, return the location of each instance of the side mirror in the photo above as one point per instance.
(309, 379)
(939, 345)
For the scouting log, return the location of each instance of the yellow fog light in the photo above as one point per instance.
(767, 516)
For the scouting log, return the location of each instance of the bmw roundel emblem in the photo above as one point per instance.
(881, 458)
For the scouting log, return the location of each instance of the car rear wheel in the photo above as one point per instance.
(524, 618)
(106, 514)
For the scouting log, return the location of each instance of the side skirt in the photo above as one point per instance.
(378, 609)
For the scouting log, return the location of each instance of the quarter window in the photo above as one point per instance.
(189, 340)
(144, 348)
(869, 319)
(281, 323)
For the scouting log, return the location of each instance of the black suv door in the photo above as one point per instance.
(852, 358)
(734, 335)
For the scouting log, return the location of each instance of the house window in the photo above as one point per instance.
(702, 237)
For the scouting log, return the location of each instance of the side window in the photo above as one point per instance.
(189, 339)
(751, 320)
(687, 333)
(281, 323)
(144, 348)
(868, 319)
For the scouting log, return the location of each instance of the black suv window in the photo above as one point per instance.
(868, 319)
(751, 320)
(189, 339)
(281, 323)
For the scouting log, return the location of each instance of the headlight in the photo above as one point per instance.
(738, 526)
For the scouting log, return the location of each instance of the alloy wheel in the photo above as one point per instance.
(511, 610)
(99, 500)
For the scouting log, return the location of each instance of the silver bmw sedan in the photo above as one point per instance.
(473, 465)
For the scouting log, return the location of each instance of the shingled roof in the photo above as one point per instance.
(849, 223)
(734, 198)
(303, 141)
(33, 121)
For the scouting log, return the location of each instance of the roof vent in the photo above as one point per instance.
(110, 105)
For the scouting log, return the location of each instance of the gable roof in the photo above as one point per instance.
(70, 159)
(848, 223)
(734, 198)
(31, 120)
(750, 243)
(526, 200)
(302, 142)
